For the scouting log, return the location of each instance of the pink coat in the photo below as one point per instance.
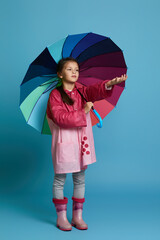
(72, 137)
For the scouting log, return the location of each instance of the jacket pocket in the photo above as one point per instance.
(67, 152)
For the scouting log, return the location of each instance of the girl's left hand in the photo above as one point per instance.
(117, 80)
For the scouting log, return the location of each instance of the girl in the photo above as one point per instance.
(72, 137)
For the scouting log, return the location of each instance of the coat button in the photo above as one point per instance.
(86, 145)
(84, 138)
(88, 152)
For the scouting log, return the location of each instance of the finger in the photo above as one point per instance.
(114, 80)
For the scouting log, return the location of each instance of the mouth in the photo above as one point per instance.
(74, 76)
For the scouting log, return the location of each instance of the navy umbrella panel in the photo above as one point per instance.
(44, 64)
(99, 59)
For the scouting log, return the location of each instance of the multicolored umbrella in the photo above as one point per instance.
(99, 59)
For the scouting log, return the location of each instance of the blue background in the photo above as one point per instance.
(123, 186)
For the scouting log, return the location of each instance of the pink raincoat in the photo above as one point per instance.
(72, 137)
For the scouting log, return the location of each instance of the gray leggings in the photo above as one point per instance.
(78, 181)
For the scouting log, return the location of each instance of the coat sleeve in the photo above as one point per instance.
(97, 91)
(63, 118)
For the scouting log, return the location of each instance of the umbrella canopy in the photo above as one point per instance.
(99, 59)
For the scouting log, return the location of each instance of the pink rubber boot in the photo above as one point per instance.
(77, 220)
(61, 209)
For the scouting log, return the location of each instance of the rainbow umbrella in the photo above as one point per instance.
(99, 59)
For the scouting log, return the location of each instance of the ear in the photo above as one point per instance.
(59, 75)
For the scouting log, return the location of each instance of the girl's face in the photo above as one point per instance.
(70, 72)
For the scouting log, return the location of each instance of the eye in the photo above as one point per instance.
(77, 70)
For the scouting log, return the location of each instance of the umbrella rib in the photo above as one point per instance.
(100, 67)
(43, 84)
(63, 45)
(78, 43)
(102, 55)
(91, 46)
(47, 90)
(47, 75)
(43, 123)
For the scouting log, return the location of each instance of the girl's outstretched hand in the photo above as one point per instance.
(117, 80)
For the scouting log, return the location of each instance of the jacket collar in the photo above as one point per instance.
(75, 87)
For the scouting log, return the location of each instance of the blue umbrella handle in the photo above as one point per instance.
(96, 113)
(99, 117)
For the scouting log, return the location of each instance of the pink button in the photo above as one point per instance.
(84, 138)
(88, 152)
(82, 142)
(83, 149)
(86, 145)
